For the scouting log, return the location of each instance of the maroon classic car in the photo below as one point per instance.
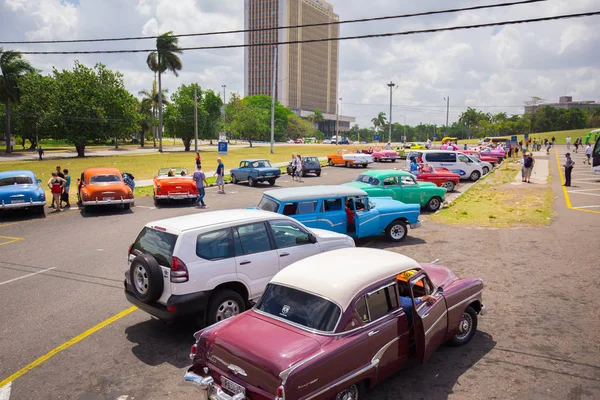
(333, 325)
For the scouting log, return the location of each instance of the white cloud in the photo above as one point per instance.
(492, 68)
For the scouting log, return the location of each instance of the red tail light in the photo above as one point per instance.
(193, 351)
(179, 271)
(280, 392)
(130, 248)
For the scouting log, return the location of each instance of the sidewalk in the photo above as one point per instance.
(540, 172)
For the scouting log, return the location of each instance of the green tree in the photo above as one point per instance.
(12, 67)
(315, 118)
(470, 118)
(379, 121)
(153, 97)
(91, 104)
(282, 113)
(211, 104)
(299, 128)
(179, 116)
(146, 118)
(163, 59)
(249, 121)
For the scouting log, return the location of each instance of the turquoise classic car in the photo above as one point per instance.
(343, 209)
(402, 186)
(21, 189)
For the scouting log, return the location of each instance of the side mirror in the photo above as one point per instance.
(440, 290)
(38, 181)
(312, 238)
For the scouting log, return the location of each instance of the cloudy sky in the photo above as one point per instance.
(493, 69)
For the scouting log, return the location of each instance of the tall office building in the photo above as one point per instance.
(306, 73)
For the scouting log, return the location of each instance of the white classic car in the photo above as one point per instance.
(349, 159)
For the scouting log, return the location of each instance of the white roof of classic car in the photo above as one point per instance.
(314, 192)
(339, 275)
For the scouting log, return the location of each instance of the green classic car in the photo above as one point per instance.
(401, 186)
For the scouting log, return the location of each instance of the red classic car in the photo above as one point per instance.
(381, 154)
(174, 184)
(103, 186)
(333, 325)
(491, 160)
(442, 177)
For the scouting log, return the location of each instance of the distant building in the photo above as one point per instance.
(306, 73)
(563, 102)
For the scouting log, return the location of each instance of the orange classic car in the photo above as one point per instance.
(349, 159)
(174, 184)
(103, 186)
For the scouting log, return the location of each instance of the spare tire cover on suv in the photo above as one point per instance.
(146, 278)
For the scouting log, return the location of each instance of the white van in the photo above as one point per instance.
(455, 161)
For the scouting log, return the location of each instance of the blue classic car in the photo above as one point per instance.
(344, 209)
(255, 171)
(21, 189)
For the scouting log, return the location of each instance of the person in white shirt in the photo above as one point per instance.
(588, 154)
(388, 146)
(568, 142)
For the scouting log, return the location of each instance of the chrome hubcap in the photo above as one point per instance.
(397, 231)
(464, 327)
(434, 204)
(227, 309)
(350, 393)
(140, 277)
(448, 185)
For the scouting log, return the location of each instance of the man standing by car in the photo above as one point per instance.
(200, 180)
(220, 173)
(568, 169)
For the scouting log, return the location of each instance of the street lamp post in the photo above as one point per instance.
(447, 112)
(391, 86)
(273, 99)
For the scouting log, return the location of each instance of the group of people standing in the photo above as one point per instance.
(59, 185)
(296, 167)
(201, 183)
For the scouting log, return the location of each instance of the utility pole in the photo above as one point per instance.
(273, 99)
(196, 120)
(447, 112)
(391, 86)
(224, 111)
(337, 121)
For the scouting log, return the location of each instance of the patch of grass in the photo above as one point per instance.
(497, 204)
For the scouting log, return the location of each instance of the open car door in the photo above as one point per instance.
(430, 321)
(366, 219)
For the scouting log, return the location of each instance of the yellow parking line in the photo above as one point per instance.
(10, 240)
(564, 188)
(66, 345)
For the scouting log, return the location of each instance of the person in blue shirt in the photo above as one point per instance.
(414, 166)
(407, 304)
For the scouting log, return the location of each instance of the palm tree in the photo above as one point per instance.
(152, 97)
(469, 118)
(164, 59)
(315, 118)
(379, 121)
(12, 66)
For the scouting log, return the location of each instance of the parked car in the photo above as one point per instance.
(334, 337)
(291, 141)
(103, 187)
(485, 166)
(310, 165)
(402, 152)
(174, 184)
(415, 146)
(211, 266)
(453, 160)
(497, 152)
(21, 189)
(381, 154)
(349, 159)
(401, 186)
(344, 141)
(326, 141)
(440, 176)
(475, 153)
(343, 209)
(255, 171)
(299, 141)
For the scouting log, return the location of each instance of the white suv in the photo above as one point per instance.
(214, 265)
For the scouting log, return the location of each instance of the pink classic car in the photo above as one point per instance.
(497, 153)
(381, 154)
(333, 325)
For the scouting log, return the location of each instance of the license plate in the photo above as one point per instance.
(17, 201)
(232, 387)
(109, 198)
(312, 170)
(269, 174)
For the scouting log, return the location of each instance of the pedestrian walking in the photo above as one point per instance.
(299, 167)
(40, 152)
(198, 160)
(569, 163)
(200, 180)
(56, 184)
(553, 140)
(576, 144)
(65, 194)
(588, 153)
(293, 164)
(220, 173)
(528, 165)
(568, 142)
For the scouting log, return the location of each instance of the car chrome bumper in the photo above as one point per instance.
(176, 196)
(415, 226)
(22, 205)
(483, 310)
(106, 202)
(209, 387)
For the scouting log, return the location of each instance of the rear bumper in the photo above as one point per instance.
(185, 305)
(266, 178)
(106, 202)
(4, 206)
(176, 196)
(213, 391)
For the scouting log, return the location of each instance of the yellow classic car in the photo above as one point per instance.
(415, 146)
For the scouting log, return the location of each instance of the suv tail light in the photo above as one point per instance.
(179, 271)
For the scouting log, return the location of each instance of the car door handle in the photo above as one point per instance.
(245, 262)
(425, 316)
(284, 254)
(373, 333)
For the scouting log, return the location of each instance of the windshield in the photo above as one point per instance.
(16, 180)
(261, 164)
(156, 243)
(369, 180)
(299, 307)
(268, 204)
(104, 179)
(311, 160)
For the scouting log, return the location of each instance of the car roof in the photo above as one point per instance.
(17, 172)
(101, 171)
(206, 219)
(382, 173)
(340, 275)
(312, 192)
(255, 159)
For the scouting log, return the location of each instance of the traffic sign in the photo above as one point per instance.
(376, 138)
(222, 136)
(526, 136)
(222, 146)
(513, 139)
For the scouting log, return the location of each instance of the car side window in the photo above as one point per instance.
(290, 208)
(332, 205)
(360, 307)
(390, 181)
(251, 239)
(408, 181)
(382, 301)
(463, 158)
(288, 234)
(214, 245)
(307, 207)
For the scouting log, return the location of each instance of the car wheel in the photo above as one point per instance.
(475, 175)
(271, 182)
(40, 210)
(396, 231)
(126, 206)
(251, 181)
(348, 165)
(393, 160)
(234, 179)
(352, 392)
(376, 159)
(224, 304)
(146, 278)
(434, 204)
(449, 185)
(500, 159)
(318, 173)
(329, 162)
(466, 328)
(485, 170)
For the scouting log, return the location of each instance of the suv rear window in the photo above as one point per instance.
(268, 204)
(299, 307)
(156, 243)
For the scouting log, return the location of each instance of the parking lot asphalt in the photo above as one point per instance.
(61, 276)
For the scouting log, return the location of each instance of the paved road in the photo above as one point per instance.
(539, 340)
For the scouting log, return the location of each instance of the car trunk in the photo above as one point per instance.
(261, 347)
(176, 185)
(268, 172)
(105, 191)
